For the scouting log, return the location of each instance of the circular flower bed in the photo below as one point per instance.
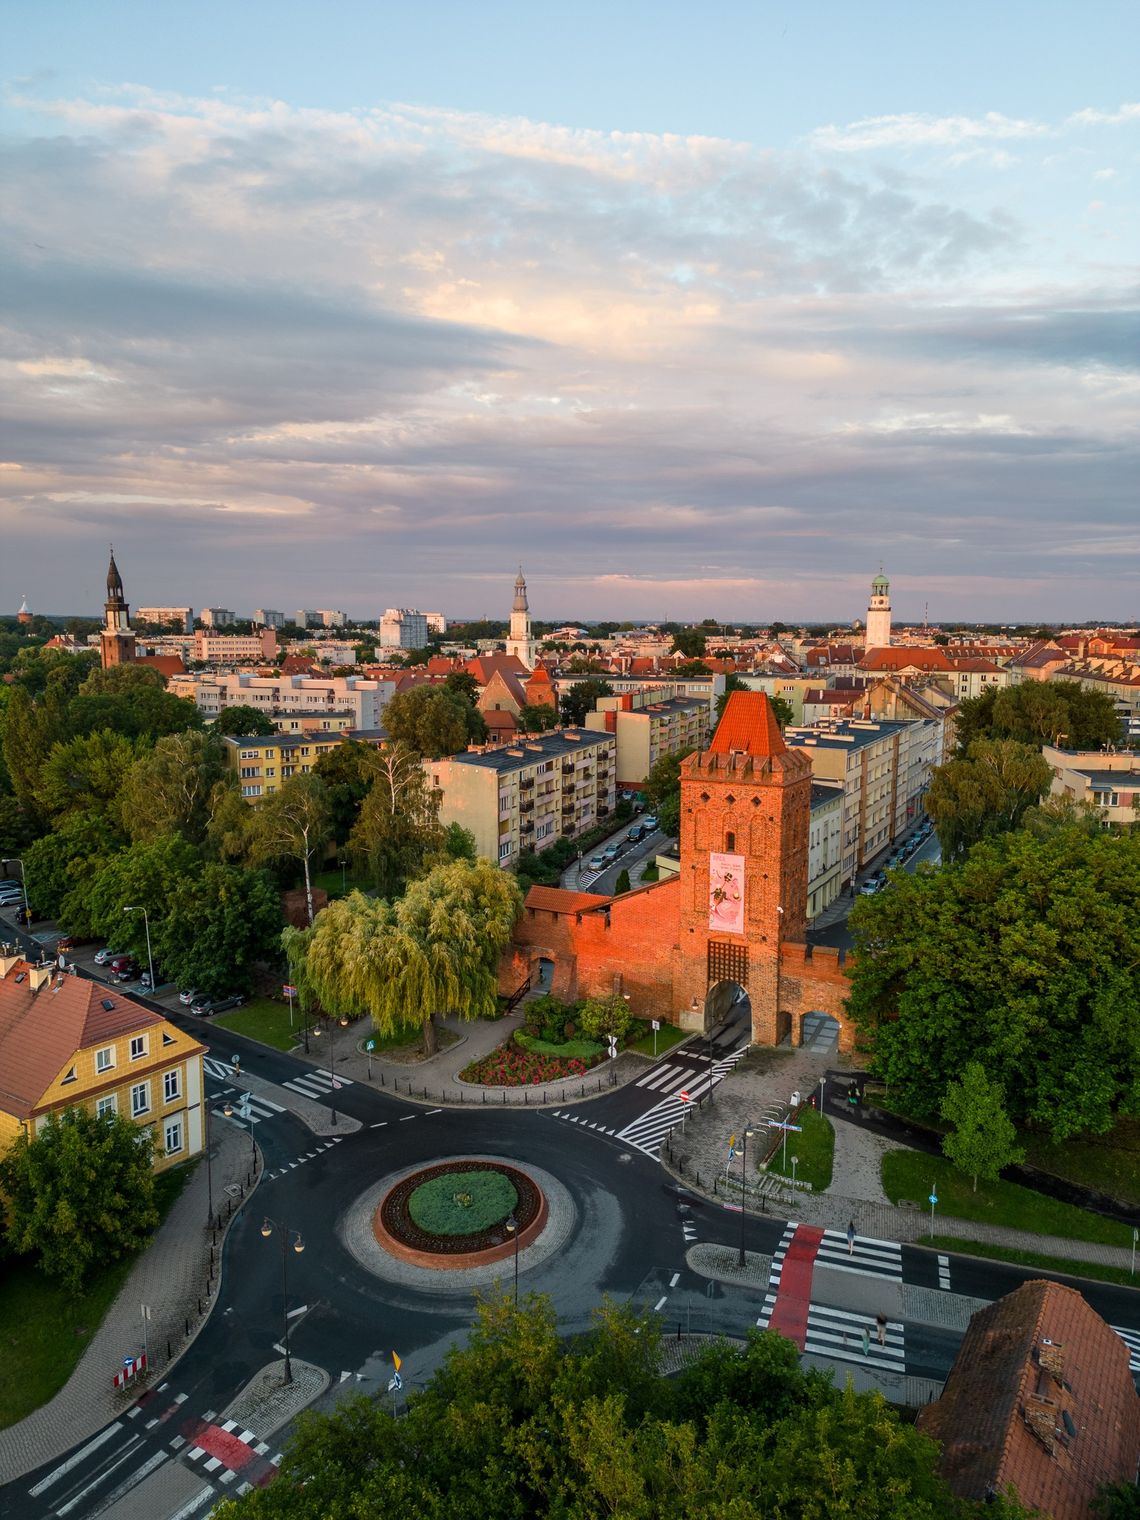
(463, 1203)
(395, 1222)
(511, 1067)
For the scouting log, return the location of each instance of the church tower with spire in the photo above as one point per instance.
(879, 613)
(521, 642)
(116, 642)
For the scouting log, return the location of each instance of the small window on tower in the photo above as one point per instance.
(730, 843)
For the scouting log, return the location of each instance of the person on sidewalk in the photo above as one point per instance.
(851, 1238)
(881, 1327)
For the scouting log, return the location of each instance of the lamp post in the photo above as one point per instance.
(267, 1229)
(209, 1163)
(343, 1022)
(16, 861)
(748, 1130)
(135, 908)
(512, 1228)
(228, 1110)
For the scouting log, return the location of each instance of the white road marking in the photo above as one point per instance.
(74, 1459)
(659, 1302)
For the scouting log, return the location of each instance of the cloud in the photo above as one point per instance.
(915, 130)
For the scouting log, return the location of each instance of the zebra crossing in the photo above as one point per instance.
(648, 1130)
(1131, 1339)
(316, 1084)
(247, 1109)
(841, 1335)
(219, 1070)
(866, 1255)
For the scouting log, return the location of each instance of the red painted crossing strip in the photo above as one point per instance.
(790, 1311)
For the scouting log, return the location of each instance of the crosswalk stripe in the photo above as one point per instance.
(1131, 1339)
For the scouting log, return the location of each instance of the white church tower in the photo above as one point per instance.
(520, 642)
(879, 613)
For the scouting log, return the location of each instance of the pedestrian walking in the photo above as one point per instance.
(866, 1341)
(851, 1238)
(881, 1327)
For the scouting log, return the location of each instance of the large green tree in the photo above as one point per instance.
(435, 951)
(433, 720)
(294, 824)
(1024, 958)
(663, 789)
(1037, 713)
(147, 875)
(87, 774)
(348, 771)
(982, 1140)
(691, 642)
(244, 721)
(61, 868)
(220, 925)
(174, 789)
(79, 1194)
(398, 831)
(520, 1423)
(987, 792)
(577, 700)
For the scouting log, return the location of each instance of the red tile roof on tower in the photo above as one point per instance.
(749, 725)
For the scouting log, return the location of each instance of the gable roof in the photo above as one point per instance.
(902, 658)
(560, 900)
(484, 666)
(165, 664)
(1040, 1396)
(748, 725)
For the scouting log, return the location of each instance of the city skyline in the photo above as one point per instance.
(714, 332)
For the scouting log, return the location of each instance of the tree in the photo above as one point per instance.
(732, 682)
(691, 642)
(600, 1017)
(219, 925)
(1025, 958)
(80, 1193)
(61, 867)
(1037, 713)
(582, 698)
(663, 789)
(243, 721)
(622, 883)
(176, 788)
(463, 684)
(692, 668)
(988, 792)
(149, 874)
(398, 829)
(537, 719)
(30, 730)
(86, 775)
(349, 772)
(983, 1141)
(781, 711)
(459, 843)
(433, 721)
(147, 712)
(435, 951)
(294, 823)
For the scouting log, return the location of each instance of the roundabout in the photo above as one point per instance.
(460, 1214)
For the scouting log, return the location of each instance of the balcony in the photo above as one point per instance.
(527, 784)
(526, 829)
(526, 807)
(569, 788)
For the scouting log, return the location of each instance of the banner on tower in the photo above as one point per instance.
(726, 893)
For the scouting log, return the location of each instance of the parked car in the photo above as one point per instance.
(11, 891)
(649, 823)
(207, 1007)
(126, 971)
(869, 888)
(117, 962)
(191, 995)
(67, 942)
(636, 834)
(596, 863)
(611, 852)
(104, 956)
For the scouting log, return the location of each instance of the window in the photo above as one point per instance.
(173, 1137)
(505, 849)
(270, 770)
(105, 1059)
(171, 1086)
(71, 1077)
(167, 1039)
(106, 1107)
(140, 1099)
(138, 1047)
(251, 791)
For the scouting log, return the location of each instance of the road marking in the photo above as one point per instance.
(65, 1509)
(406, 1117)
(135, 1478)
(659, 1302)
(675, 1279)
(381, 1125)
(176, 1442)
(151, 1423)
(944, 1272)
(134, 1412)
(344, 1377)
(294, 1312)
(75, 1459)
(196, 1503)
(433, 1111)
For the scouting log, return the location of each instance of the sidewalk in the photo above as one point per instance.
(699, 1155)
(176, 1277)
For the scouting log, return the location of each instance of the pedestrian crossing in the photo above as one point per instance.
(865, 1255)
(252, 1111)
(646, 1132)
(217, 1069)
(1131, 1339)
(316, 1084)
(845, 1335)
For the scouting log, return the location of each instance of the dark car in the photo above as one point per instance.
(634, 835)
(209, 1006)
(128, 973)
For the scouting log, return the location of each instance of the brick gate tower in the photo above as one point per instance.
(745, 814)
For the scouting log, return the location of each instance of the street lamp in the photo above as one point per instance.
(512, 1228)
(748, 1130)
(343, 1022)
(149, 957)
(298, 1246)
(209, 1163)
(16, 861)
(228, 1110)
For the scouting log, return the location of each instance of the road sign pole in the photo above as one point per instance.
(933, 1201)
(1135, 1237)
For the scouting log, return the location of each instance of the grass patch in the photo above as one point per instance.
(585, 1050)
(815, 1146)
(265, 1019)
(45, 1328)
(667, 1036)
(330, 882)
(462, 1203)
(908, 1174)
(1061, 1264)
(651, 873)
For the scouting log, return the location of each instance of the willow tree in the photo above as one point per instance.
(436, 950)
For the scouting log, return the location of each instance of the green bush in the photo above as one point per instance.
(462, 1203)
(569, 1029)
(600, 1017)
(584, 1050)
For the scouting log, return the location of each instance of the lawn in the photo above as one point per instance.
(1059, 1264)
(815, 1146)
(585, 1050)
(667, 1036)
(909, 1174)
(331, 882)
(265, 1019)
(45, 1329)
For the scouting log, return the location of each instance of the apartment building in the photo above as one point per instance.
(306, 617)
(178, 619)
(218, 617)
(527, 795)
(647, 728)
(67, 1042)
(825, 847)
(436, 622)
(883, 768)
(1108, 779)
(972, 677)
(235, 648)
(403, 628)
(295, 697)
(268, 617)
(263, 764)
(329, 618)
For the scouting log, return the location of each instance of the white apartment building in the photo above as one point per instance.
(1109, 779)
(527, 795)
(647, 726)
(235, 648)
(299, 697)
(218, 617)
(269, 617)
(436, 622)
(403, 628)
(180, 619)
(331, 619)
(825, 847)
(307, 617)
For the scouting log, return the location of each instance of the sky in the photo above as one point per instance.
(693, 311)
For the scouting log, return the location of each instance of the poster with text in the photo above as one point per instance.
(726, 893)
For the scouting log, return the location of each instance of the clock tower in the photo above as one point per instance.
(521, 642)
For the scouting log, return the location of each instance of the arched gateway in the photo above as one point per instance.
(735, 914)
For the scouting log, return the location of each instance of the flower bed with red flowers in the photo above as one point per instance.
(508, 1066)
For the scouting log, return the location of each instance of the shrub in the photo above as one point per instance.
(600, 1017)
(569, 1029)
(462, 1203)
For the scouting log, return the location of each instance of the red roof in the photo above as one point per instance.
(559, 900)
(749, 725)
(906, 659)
(165, 664)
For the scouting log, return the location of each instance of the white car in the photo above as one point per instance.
(191, 995)
(11, 892)
(105, 955)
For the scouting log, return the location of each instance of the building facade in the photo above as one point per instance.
(879, 613)
(116, 641)
(294, 697)
(235, 648)
(68, 1042)
(177, 619)
(218, 617)
(403, 628)
(527, 795)
(520, 641)
(262, 765)
(825, 848)
(647, 728)
(1109, 780)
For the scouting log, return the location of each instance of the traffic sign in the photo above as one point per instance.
(370, 1046)
(288, 991)
(684, 1096)
(656, 1023)
(933, 1198)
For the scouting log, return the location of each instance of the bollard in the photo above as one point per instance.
(185, 1326)
(484, 1095)
(168, 1351)
(504, 1095)
(678, 1329)
(208, 1289)
(526, 1097)
(199, 1306)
